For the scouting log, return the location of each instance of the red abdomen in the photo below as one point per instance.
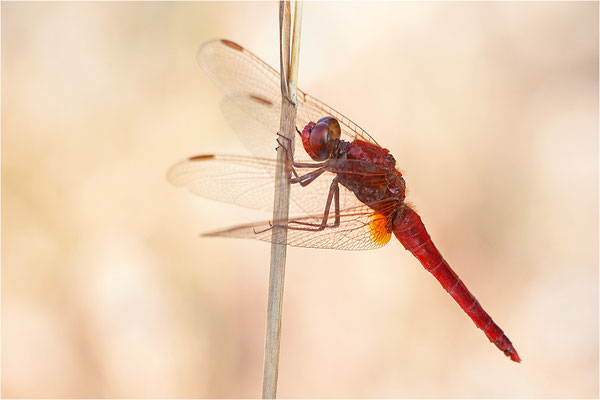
(410, 231)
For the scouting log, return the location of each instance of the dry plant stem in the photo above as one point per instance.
(281, 202)
(284, 45)
(277, 273)
(293, 79)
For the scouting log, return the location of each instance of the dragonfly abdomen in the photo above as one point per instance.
(410, 231)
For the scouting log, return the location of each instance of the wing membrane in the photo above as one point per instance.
(250, 182)
(254, 85)
(360, 228)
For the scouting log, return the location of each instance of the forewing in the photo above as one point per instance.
(250, 182)
(254, 87)
(245, 181)
(311, 109)
(257, 124)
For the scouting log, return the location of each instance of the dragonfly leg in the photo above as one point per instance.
(307, 178)
(288, 154)
(288, 150)
(334, 194)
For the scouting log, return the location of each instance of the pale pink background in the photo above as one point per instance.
(490, 109)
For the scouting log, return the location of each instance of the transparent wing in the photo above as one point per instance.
(245, 181)
(254, 87)
(257, 124)
(360, 228)
(250, 182)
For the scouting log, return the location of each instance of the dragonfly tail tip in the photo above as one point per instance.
(514, 356)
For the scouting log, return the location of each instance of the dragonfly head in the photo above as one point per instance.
(319, 139)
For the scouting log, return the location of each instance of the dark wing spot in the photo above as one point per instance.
(202, 157)
(261, 100)
(231, 44)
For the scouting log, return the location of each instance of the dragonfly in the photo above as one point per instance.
(346, 192)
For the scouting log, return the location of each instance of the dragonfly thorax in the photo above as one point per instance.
(319, 138)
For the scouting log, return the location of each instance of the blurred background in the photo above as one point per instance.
(490, 109)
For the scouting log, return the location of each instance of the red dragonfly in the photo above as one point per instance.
(347, 193)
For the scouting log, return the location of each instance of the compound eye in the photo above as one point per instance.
(320, 142)
(334, 127)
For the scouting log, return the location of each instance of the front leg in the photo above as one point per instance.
(307, 178)
(287, 147)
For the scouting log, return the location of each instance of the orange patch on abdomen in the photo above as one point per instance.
(379, 226)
